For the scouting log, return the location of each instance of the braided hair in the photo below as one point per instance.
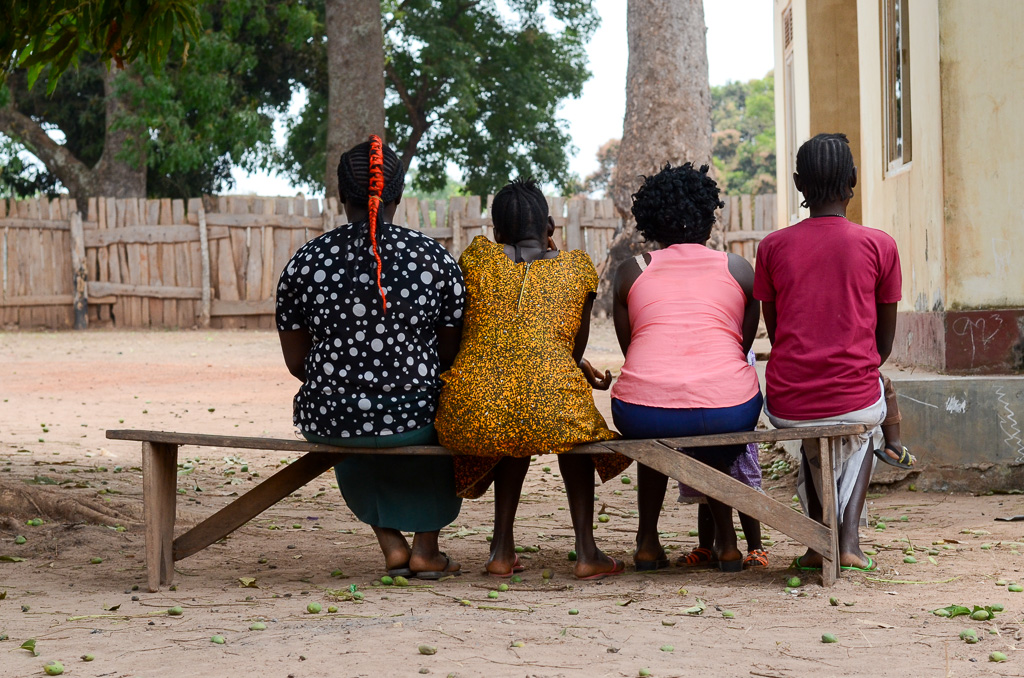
(677, 205)
(520, 211)
(373, 173)
(825, 166)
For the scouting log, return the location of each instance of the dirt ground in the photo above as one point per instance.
(60, 391)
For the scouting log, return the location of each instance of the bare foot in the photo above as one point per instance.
(649, 550)
(394, 546)
(503, 566)
(854, 559)
(598, 567)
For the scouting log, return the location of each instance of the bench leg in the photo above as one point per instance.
(829, 567)
(159, 487)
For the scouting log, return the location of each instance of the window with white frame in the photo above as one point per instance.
(896, 118)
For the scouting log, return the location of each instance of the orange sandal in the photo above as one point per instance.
(698, 557)
(755, 558)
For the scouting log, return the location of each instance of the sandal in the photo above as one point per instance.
(756, 558)
(517, 566)
(698, 557)
(618, 567)
(433, 575)
(904, 460)
(795, 565)
(400, 571)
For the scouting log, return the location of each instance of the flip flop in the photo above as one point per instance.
(618, 568)
(905, 461)
(437, 574)
(698, 557)
(517, 566)
(795, 565)
(399, 572)
(870, 567)
(650, 565)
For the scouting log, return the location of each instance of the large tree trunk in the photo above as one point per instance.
(355, 79)
(121, 171)
(668, 111)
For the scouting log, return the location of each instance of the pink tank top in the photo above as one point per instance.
(686, 319)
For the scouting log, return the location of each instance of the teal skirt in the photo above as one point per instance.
(405, 493)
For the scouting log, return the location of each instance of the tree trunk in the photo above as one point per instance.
(668, 111)
(355, 79)
(121, 171)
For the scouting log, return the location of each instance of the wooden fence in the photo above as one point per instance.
(215, 261)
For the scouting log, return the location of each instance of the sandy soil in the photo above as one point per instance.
(60, 391)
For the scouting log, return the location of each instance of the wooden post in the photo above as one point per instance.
(80, 275)
(829, 515)
(159, 480)
(204, 255)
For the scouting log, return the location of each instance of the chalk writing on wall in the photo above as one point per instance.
(955, 405)
(1009, 426)
(978, 330)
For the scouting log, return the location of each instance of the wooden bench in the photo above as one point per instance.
(159, 485)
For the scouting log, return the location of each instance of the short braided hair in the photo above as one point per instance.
(354, 175)
(520, 211)
(825, 166)
(677, 205)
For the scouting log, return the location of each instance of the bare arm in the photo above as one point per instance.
(743, 272)
(768, 310)
(583, 333)
(625, 276)
(885, 330)
(296, 344)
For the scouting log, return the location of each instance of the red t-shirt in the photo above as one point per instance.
(825, 275)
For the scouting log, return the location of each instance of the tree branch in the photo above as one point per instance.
(59, 161)
(394, 17)
(417, 118)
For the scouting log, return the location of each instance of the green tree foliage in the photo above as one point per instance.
(53, 34)
(203, 117)
(743, 135)
(472, 83)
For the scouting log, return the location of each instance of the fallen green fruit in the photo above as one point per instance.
(833, 601)
(338, 573)
(574, 611)
(175, 611)
(910, 560)
(667, 622)
(296, 526)
(667, 648)
(386, 580)
(492, 594)
(257, 626)
(217, 639)
(87, 657)
(967, 633)
(520, 549)
(358, 595)
(465, 603)
(95, 561)
(1000, 582)
(332, 609)
(518, 643)
(401, 581)
(626, 480)
(516, 579)
(728, 614)
(314, 608)
(828, 638)
(572, 556)
(546, 574)
(980, 615)
(693, 533)
(19, 540)
(54, 669)
(1015, 588)
(997, 657)
(546, 469)
(503, 587)
(996, 607)
(793, 582)
(644, 672)
(427, 649)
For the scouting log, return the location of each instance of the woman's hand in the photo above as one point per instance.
(596, 380)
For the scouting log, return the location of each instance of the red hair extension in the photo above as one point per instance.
(376, 188)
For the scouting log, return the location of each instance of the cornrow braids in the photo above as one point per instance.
(373, 173)
(677, 205)
(520, 211)
(825, 166)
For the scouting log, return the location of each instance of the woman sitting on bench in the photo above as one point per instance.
(369, 315)
(519, 385)
(685, 317)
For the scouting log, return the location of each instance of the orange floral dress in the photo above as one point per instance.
(514, 390)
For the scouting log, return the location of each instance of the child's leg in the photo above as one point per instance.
(752, 531)
(704, 554)
(651, 487)
(725, 534)
(508, 486)
(578, 474)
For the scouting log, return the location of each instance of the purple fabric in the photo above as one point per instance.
(745, 469)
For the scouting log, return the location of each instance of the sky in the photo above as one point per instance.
(740, 48)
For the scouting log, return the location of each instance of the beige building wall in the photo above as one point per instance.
(906, 202)
(792, 91)
(982, 69)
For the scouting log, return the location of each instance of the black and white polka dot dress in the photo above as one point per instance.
(369, 372)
